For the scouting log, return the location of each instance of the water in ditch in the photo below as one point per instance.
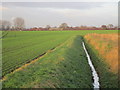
(96, 84)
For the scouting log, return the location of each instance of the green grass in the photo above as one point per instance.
(25, 46)
(20, 47)
(107, 78)
(66, 67)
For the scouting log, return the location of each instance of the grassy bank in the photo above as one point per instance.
(107, 47)
(64, 67)
(107, 79)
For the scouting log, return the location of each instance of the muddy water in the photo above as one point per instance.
(96, 84)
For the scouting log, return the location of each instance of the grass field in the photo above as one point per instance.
(25, 46)
(19, 47)
(64, 65)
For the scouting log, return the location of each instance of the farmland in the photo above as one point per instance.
(64, 65)
(25, 46)
(22, 47)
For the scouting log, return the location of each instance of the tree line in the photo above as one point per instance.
(19, 25)
(64, 26)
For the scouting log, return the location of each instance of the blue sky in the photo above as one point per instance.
(37, 14)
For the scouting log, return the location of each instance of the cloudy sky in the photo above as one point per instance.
(54, 13)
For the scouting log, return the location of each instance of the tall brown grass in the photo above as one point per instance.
(107, 47)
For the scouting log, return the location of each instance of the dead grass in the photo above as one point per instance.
(107, 47)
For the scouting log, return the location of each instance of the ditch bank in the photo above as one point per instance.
(66, 67)
(107, 79)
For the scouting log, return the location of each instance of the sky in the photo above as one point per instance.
(40, 14)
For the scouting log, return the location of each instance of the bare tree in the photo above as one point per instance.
(48, 27)
(63, 25)
(5, 25)
(104, 27)
(19, 23)
(110, 26)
